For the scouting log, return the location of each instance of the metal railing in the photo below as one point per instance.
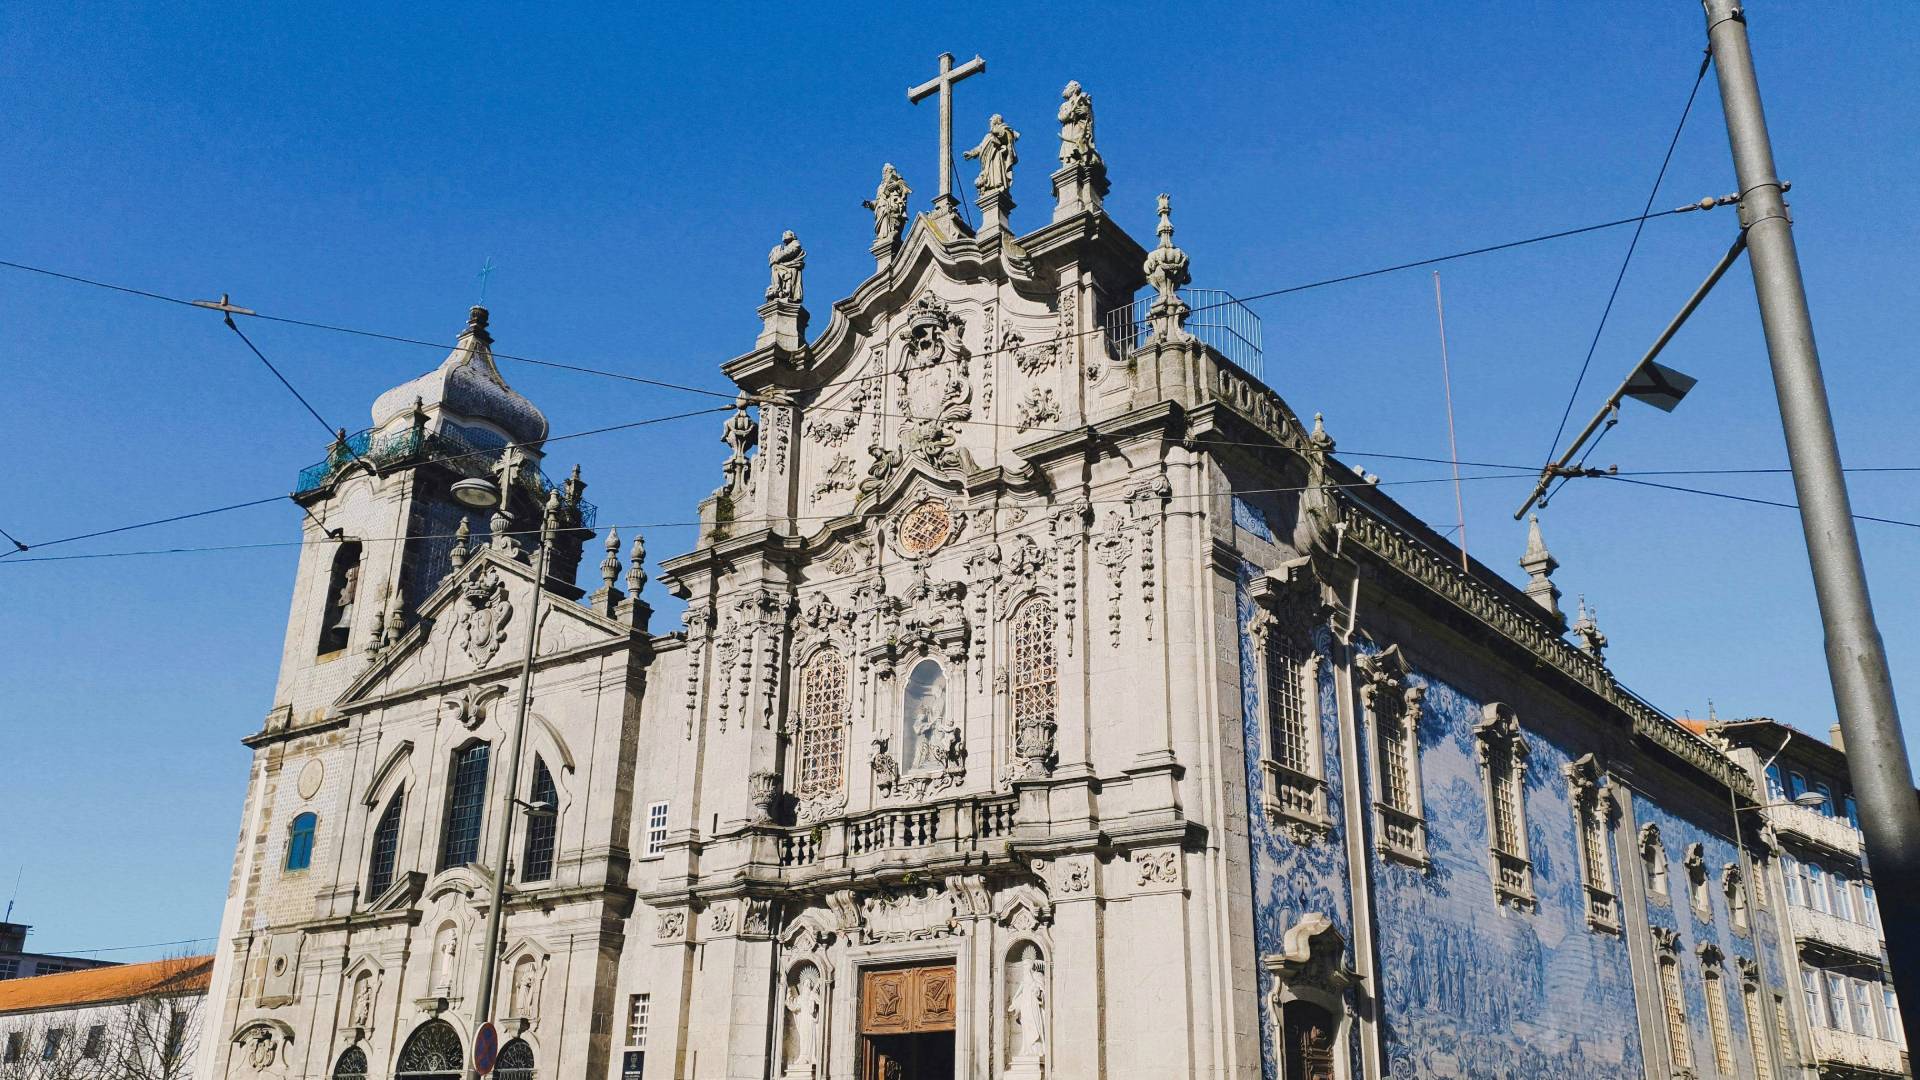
(1216, 318)
(444, 448)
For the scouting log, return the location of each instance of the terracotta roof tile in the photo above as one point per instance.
(94, 985)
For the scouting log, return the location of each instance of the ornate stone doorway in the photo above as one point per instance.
(906, 1023)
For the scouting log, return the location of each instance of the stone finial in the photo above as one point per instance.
(610, 566)
(1318, 437)
(636, 566)
(740, 434)
(1540, 564)
(783, 320)
(1166, 270)
(461, 535)
(1586, 627)
(575, 487)
(889, 206)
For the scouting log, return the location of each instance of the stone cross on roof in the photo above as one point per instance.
(942, 84)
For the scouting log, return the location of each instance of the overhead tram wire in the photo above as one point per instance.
(730, 395)
(1632, 245)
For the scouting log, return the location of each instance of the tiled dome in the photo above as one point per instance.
(467, 385)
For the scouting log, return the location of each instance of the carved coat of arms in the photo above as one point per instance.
(485, 612)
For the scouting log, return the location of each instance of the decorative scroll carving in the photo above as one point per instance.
(469, 706)
(907, 914)
(1069, 533)
(695, 620)
(1110, 549)
(1158, 867)
(838, 476)
(1038, 407)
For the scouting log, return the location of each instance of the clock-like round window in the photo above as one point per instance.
(925, 527)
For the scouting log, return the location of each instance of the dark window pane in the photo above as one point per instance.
(538, 863)
(300, 842)
(461, 843)
(386, 847)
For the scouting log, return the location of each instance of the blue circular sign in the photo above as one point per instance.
(486, 1047)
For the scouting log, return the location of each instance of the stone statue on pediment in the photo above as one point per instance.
(786, 261)
(889, 205)
(996, 156)
(1076, 127)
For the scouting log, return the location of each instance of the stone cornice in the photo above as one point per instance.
(1415, 561)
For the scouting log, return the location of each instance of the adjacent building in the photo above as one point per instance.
(123, 1022)
(17, 963)
(1830, 916)
(1049, 701)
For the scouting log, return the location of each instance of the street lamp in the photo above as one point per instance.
(480, 494)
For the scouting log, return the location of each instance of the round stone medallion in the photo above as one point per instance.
(311, 774)
(925, 527)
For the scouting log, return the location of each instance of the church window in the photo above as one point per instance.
(432, 1052)
(1654, 854)
(351, 1065)
(466, 807)
(824, 710)
(1393, 705)
(343, 589)
(386, 846)
(656, 843)
(1736, 890)
(1593, 810)
(1717, 1025)
(1503, 763)
(1035, 680)
(1286, 706)
(300, 842)
(1756, 1030)
(1679, 1047)
(542, 824)
(515, 1061)
(1780, 1027)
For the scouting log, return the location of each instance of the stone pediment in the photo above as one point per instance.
(474, 626)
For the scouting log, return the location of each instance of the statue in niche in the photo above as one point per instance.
(786, 261)
(889, 205)
(361, 1015)
(1076, 127)
(1027, 1008)
(933, 738)
(446, 952)
(996, 156)
(526, 980)
(803, 1020)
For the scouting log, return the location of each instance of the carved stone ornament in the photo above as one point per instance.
(925, 526)
(485, 611)
(672, 926)
(889, 206)
(1312, 956)
(1037, 408)
(1073, 876)
(722, 919)
(762, 786)
(886, 770)
(786, 262)
(1076, 127)
(935, 395)
(907, 914)
(758, 918)
(469, 706)
(1158, 867)
(996, 155)
(838, 476)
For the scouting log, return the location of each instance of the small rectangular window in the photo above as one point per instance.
(1869, 907)
(1810, 987)
(1775, 791)
(15, 1040)
(639, 1010)
(656, 828)
(1864, 1020)
(52, 1048)
(9, 968)
(1837, 1002)
(1852, 811)
(95, 1036)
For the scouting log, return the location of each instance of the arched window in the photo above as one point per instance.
(386, 846)
(343, 589)
(300, 842)
(1035, 683)
(537, 864)
(515, 1061)
(823, 724)
(432, 1052)
(352, 1065)
(466, 807)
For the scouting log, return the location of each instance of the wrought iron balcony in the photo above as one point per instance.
(1831, 1047)
(1832, 833)
(1820, 928)
(1217, 319)
(412, 446)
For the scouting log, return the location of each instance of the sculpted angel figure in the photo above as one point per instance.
(786, 261)
(996, 156)
(1076, 127)
(889, 204)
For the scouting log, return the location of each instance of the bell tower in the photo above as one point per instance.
(384, 516)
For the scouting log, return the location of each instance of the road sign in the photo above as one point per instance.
(486, 1047)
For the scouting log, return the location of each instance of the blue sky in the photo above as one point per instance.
(627, 172)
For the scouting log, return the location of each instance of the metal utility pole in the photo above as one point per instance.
(1856, 660)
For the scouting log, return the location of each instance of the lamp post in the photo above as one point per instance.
(480, 495)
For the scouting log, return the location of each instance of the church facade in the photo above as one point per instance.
(1049, 701)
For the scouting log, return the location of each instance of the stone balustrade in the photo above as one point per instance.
(1834, 834)
(1834, 932)
(956, 827)
(1831, 1047)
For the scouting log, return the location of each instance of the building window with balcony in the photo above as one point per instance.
(1896, 1032)
(1869, 907)
(1826, 799)
(1392, 704)
(1594, 810)
(1816, 886)
(820, 749)
(1791, 873)
(1796, 785)
(1293, 777)
(1866, 1020)
(1653, 860)
(1673, 1004)
(1836, 1002)
(1852, 812)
